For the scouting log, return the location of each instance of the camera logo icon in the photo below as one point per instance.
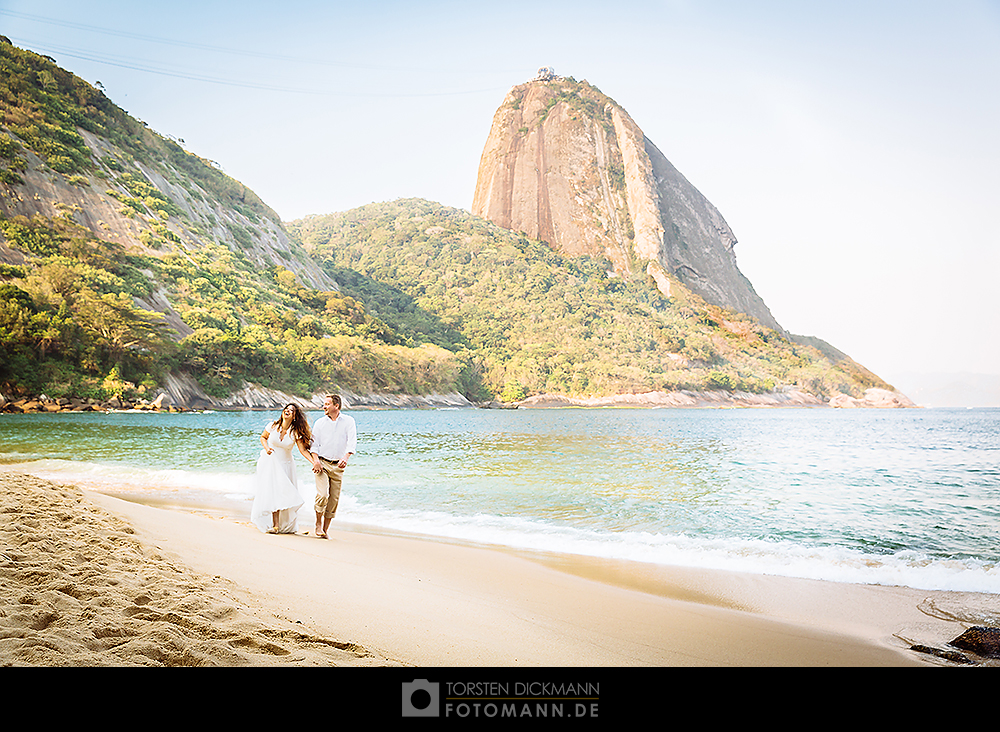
(421, 698)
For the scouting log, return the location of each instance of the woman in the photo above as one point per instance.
(276, 494)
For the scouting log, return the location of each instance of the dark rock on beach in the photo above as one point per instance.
(953, 656)
(980, 640)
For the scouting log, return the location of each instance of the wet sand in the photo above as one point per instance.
(93, 580)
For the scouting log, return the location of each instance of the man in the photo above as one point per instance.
(334, 441)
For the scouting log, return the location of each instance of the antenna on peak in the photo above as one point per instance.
(546, 73)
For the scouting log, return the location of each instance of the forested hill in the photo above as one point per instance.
(128, 264)
(533, 321)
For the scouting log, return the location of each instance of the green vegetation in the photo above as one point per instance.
(11, 161)
(70, 324)
(532, 321)
(46, 107)
(69, 320)
(75, 316)
(429, 299)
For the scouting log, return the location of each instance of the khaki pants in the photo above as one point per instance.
(328, 485)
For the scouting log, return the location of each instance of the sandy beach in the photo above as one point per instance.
(94, 580)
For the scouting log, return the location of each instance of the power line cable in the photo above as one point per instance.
(235, 51)
(134, 65)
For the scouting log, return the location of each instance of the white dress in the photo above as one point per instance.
(275, 486)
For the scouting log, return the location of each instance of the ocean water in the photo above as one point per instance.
(892, 497)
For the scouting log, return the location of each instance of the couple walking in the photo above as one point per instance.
(327, 447)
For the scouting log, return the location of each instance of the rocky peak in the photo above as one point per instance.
(565, 164)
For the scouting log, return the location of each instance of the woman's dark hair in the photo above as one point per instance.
(299, 424)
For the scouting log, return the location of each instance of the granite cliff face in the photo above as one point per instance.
(70, 159)
(565, 164)
(95, 202)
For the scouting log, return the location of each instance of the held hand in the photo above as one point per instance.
(317, 467)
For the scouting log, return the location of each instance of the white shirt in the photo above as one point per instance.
(333, 440)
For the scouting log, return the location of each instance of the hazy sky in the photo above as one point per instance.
(853, 147)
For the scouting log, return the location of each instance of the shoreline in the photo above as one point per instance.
(256, 398)
(200, 590)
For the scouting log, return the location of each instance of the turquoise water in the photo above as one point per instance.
(896, 497)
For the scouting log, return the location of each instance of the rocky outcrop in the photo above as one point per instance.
(403, 401)
(44, 403)
(183, 391)
(873, 399)
(565, 164)
(95, 202)
(983, 642)
(680, 399)
(980, 640)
